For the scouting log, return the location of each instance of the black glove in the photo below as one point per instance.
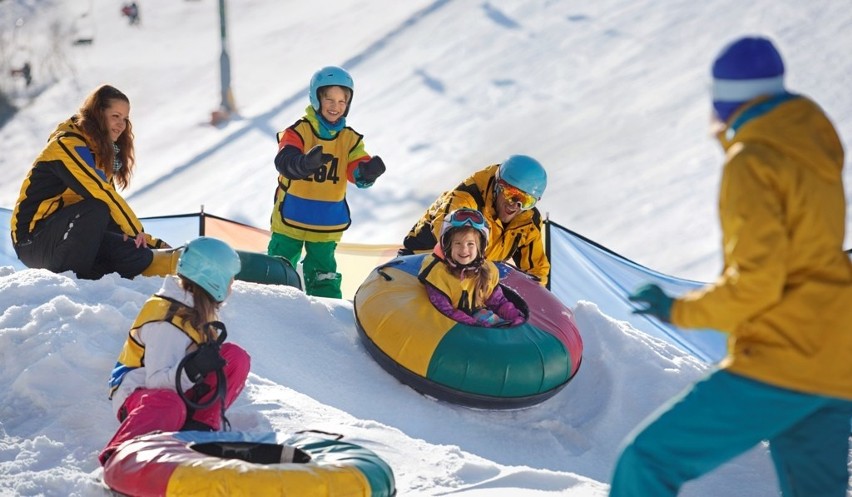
(203, 361)
(372, 169)
(314, 159)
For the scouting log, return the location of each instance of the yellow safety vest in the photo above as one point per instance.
(318, 202)
(132, 356)
(461, 292)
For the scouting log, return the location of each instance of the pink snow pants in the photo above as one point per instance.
(161, 409)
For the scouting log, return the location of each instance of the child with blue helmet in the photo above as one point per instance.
(460, 282)
(317, 157)
(173, 372)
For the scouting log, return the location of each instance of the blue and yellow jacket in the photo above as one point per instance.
(785, 292)
(66, 173)
(314, 208)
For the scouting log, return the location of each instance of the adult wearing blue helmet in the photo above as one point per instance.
(507, 195)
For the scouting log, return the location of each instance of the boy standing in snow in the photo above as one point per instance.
(316, 157)
(784, 297)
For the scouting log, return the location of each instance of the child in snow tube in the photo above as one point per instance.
(459, 281)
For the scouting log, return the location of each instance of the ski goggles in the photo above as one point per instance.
(514, 195)
(467, 217)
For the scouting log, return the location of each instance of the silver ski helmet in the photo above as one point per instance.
(330, 76)
(464, 218)
(211, 264)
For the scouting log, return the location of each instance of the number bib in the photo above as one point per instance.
(318, 202)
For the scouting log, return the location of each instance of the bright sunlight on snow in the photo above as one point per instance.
(611, 96)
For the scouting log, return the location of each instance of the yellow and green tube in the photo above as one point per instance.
(495, 368)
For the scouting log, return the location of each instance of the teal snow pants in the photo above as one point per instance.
(725, 415)
(319, 267)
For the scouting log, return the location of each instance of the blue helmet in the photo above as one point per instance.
(524, 173)
(211, 264)
(330, 76)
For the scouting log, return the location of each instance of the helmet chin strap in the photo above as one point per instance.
(473, 265)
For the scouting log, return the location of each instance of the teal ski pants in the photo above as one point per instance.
(319, 267)
(723, 416)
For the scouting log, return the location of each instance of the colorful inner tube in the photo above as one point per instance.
(248, 464)
(490, 368)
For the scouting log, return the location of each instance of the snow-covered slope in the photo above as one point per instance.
(59, 339)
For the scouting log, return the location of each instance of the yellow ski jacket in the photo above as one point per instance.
(64, 174)
(314, 209)
(785, 292)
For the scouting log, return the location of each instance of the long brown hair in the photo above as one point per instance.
(91, 119)
(204, 309)
(483, 271)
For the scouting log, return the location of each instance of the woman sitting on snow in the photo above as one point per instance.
(69, 215)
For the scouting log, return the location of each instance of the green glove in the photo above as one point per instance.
(656, 302)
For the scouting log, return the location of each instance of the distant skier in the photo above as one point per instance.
(784, 296)
(506, 194)
(24, 72)
(131, 11)
(317, 157)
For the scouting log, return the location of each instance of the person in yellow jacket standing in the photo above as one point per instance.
(69, 215)
(317, 157)
(506, 194)
(784, 297)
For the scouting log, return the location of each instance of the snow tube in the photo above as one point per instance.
(491, 368)
(255, 267)
(235, 463)
(267, 269)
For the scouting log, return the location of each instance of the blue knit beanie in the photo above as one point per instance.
(747, 68)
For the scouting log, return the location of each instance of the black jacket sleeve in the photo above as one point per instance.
(290, 162)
